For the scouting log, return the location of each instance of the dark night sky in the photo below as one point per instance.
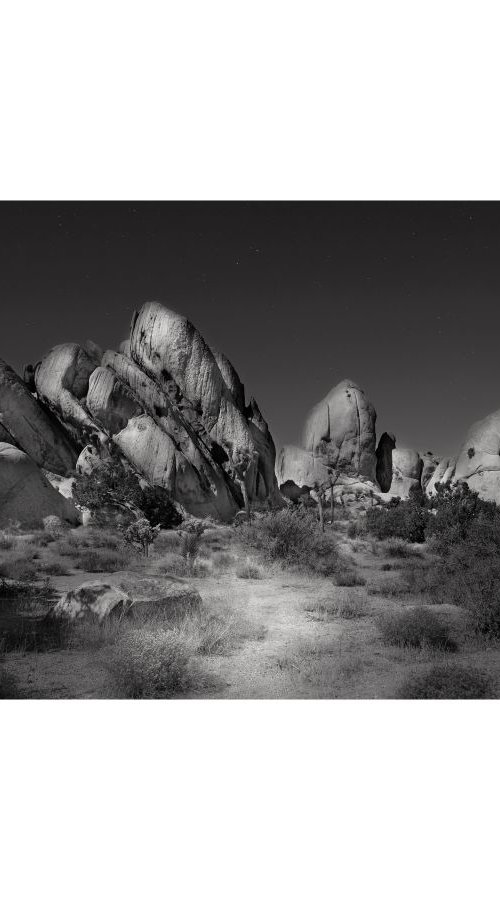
(401, 297)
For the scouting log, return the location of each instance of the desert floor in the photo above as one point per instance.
(278, 633)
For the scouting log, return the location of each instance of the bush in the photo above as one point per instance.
(149, 663)
(447, 682)
(248, 570)
(141, 535)
(53, 568)
(190, 545)
(403, 519)
(222, 561)
(293, 538)
(173, 564)
(357, 528)
(418, 627)
(158, 508)
(348, 578)
(6, 542)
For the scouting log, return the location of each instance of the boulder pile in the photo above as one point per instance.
(166, 403)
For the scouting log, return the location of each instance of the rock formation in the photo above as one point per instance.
(339, 439)
(26, 496)
(406, 472)
(30, 426)
(386, 445)
(477, 462)
(173, 408)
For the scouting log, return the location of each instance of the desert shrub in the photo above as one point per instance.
(386, 567)
(292, 537)
(249, 571)
(190, 545)
(205, 633)
(157, 506)
(399, 549)
(173, 564)
(26, 591)
(461, 515)
(98, 560)
(141, 535)
(403, 519)
(417, 627)
(200, 568)
(151, 663)
(447, 682)
(6, 541)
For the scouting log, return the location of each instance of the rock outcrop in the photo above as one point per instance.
(26, 496)
(172, 407)
(338, 439)
(477, 462)
(407, 468)
(142, 599)
(31, 427)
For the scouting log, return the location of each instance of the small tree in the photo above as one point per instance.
(240, 462)
(109, 485)
(141, 534)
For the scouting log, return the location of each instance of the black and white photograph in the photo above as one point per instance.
(249, 450)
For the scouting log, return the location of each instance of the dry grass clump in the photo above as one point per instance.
(18, 567)
(417, 627)
(447, 682)
(206, 633)
(387, 587)
(52, 567)
(248, 570)
(152, 663)
(400, 549)
(173, 564)
(222, 561)
(101, 560)
(344, 606)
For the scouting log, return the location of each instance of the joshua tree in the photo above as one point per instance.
(240, 462)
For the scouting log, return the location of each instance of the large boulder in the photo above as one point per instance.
(141, 599)
(62, 382)
(338, 441)
(478, 460)
(26, 495)
(406, 472)
(26, 423)
(341, 429)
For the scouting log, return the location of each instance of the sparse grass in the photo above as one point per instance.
(447, 682)
(344, 606)
(387, 587)
(101, 560)
(249, 571)
(416, 627)
(53, 568)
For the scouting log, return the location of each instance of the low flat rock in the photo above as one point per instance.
(142, 599)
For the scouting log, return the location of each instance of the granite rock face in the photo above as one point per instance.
(338, 441)
(26, 496)
(477, 462)
(407, 468)
(27, 424)
(172, 407)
